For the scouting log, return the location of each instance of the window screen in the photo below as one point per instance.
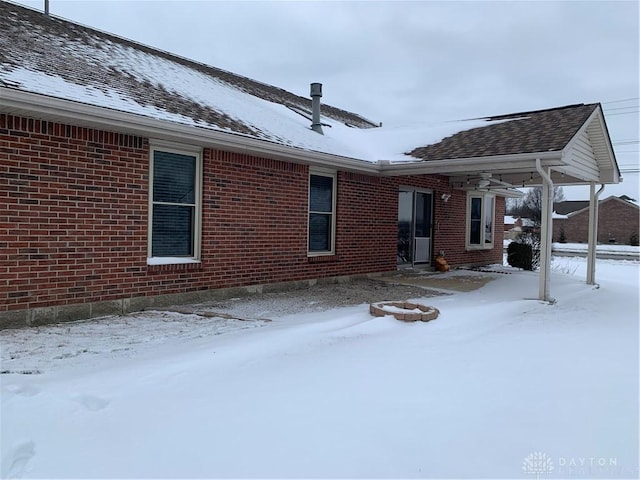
(475, 220)
(320, 213)
(488, 220)
(174, 196)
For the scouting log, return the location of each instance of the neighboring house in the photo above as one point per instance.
(130, 178)
(514, 226)
(618, 221)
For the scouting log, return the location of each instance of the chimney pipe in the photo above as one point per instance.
(46, 7)
(316, 93)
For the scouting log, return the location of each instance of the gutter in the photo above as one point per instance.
(18, 102)
(55, 109)
(463, 165)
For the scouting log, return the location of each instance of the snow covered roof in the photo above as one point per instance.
(76, 74)
(568, 208)
(52, 56)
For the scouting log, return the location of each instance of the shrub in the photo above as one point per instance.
(633, 240)
(520, 255)
(563, 236)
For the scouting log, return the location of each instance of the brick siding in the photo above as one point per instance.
(617, 222)
(74, 216)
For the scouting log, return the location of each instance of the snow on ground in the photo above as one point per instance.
(582, 248)
(603, 248)
(498, 379)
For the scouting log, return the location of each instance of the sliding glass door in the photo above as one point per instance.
(415, 213)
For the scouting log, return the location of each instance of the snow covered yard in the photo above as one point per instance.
(498, 380)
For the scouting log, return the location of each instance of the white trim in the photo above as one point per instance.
(321, 172)
(170, 260)
(191, 151)
(482, 245)
(182, 148)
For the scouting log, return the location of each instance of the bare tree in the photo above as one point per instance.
(532, 203)
(514, 206)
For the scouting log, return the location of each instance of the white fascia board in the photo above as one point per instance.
(55, 109)
(495, 163)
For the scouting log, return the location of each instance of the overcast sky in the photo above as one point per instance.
(406, 62)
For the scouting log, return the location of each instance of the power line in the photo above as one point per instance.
(621, 113)
(620, 101)
(620, 108)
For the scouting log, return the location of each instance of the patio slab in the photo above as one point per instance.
(456, 281)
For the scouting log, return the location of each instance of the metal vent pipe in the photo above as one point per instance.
(46, 7)
(316, 94)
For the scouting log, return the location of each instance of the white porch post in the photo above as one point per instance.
(593, 232)
(546, 231)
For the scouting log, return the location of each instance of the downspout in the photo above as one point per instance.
(546, 232)
(593, 232)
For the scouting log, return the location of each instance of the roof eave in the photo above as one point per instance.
(496, 163)
(19, 102)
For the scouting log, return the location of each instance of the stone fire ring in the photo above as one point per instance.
(404, 311)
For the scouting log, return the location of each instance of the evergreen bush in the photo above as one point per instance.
(563, 236)
(520, 255)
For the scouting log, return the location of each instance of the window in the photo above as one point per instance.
(174, 206)
(480, 221)
(322, 205)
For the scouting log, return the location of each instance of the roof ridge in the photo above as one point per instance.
(241, 82)
(529, 112)
(542, 110)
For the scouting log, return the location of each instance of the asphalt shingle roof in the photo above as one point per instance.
(52, 56)
(80, 55)
(569, 206)
(525, 132)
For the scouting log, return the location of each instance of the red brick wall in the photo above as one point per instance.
(449, 222)
(73, 209)
(617, 220)
(73, 220)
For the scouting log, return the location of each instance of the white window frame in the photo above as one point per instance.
(188, 150)
(334, 193)
(483, 245)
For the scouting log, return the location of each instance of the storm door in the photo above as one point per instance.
(415, 212)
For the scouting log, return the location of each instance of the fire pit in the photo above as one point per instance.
(404, 311)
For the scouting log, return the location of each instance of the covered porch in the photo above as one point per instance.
(568, 146)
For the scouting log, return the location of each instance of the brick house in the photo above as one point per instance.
(618, 220)
(130, 177)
